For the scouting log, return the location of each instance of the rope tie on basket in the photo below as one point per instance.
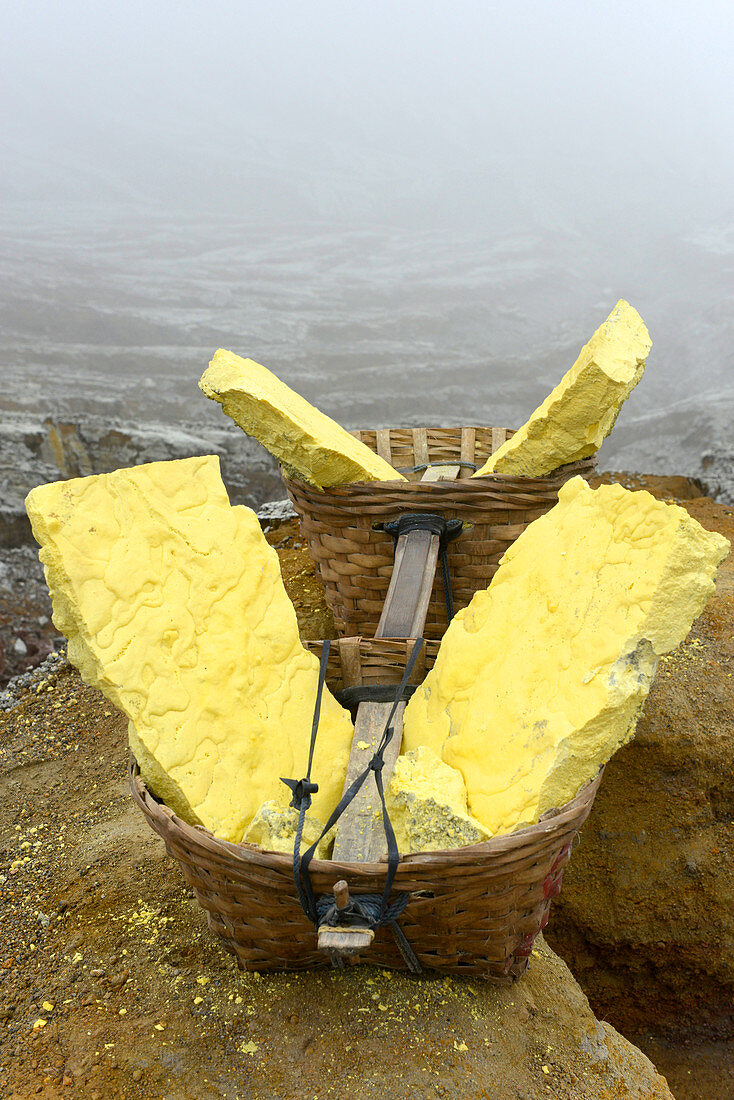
(365, 909)
(373, 909)
(446, 529)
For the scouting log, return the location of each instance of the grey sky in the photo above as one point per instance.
(553, 109)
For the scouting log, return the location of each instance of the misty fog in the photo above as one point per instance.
(413, 212)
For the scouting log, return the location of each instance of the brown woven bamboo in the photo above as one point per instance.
(362, 662)
(473, 910)
(355, 561)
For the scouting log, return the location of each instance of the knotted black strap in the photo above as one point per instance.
(375, 910)
(365, 910)
(302, 789)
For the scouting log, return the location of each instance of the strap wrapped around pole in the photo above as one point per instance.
(446, 529)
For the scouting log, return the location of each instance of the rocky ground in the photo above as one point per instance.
(99, 925)
(27, 634)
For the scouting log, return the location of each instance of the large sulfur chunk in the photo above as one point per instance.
(426, 800)
(542, 677)
(310, 444)
(174, 607)
(575, 419)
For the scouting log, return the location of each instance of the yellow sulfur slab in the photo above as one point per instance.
(310, 444)
(575, 419)
(274, 828)
(426, 800)
(174, 607)
(542, 677)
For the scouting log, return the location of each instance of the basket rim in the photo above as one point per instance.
(559, 473)
(486, 481)
(244, 852)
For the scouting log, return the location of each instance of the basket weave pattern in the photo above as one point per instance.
(355, 561)
(363, 662)
(473, 910)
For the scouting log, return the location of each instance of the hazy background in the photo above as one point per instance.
(413, 212)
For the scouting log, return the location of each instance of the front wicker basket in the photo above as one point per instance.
(355, 561)
(473, 910)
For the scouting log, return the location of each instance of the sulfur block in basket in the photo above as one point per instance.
(174, 607)
(575, 419)
(274, 828)
(542, 677)
(426, 800)
(310, 444)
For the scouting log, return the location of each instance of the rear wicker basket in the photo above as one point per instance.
(473, 910)
(355, 561)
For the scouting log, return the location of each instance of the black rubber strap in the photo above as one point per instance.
(376, 764)
(364, 909)
(371, 909)
(446, 529)
(372, 693)
(302, 789)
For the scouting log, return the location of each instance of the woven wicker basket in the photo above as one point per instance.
(473, 910)
(355, 561)
(364, 662)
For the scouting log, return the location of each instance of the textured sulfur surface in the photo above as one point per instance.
(575, 419)
(274, 828)
(426, 800)
(311, 445)
(174, 607)
(541, 678)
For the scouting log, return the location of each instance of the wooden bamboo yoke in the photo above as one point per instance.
(360, 836)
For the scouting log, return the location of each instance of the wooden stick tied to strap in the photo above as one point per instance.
(360, 834)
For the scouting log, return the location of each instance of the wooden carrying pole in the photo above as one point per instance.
(360, 836)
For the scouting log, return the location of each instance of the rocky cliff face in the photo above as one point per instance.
(35, 450)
